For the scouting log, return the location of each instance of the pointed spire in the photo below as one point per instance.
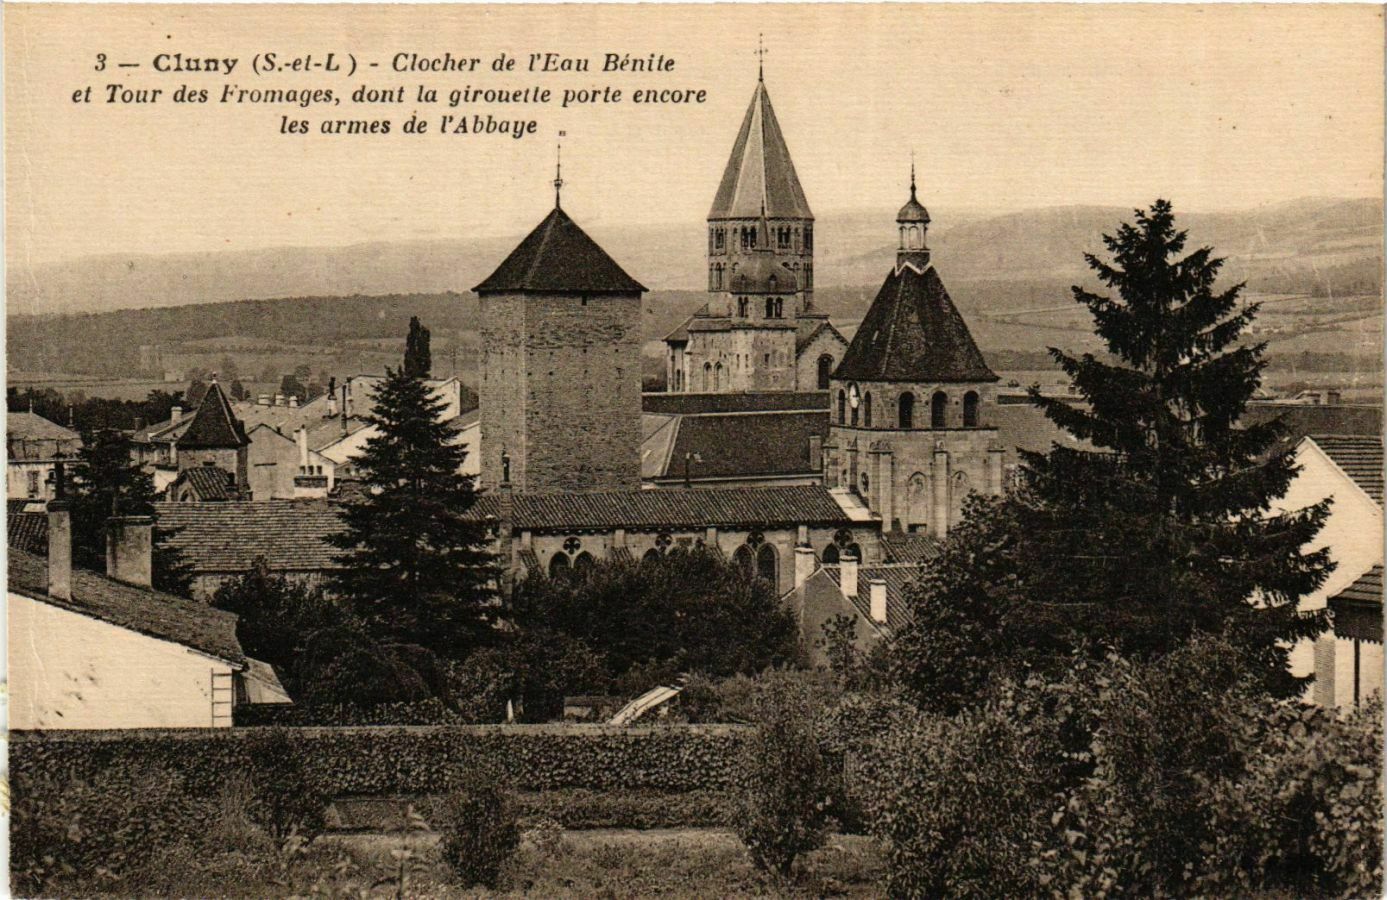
(759, 170)
(558, 169)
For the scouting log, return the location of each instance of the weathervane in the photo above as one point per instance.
(760, 59)
(558, 168)
(912, 173)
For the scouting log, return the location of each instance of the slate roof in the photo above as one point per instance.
(760, 177)
(910, 547)
(913, 332)
(559, 257)
(28, 531)
(156, 614)
(1358, 608)
(745, 444)
(228, 536)
(898, 578)
(206, 482)
(34, 427)
(214, 425)
(673, 509)
(680, 404)
(1359, 457)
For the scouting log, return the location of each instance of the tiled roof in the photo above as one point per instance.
(559, 257)
(159, 615)
(760, 177)
(1303, 419)
(1358, 608)
(34, 427)
(214, 425)
(898, 578)
(1359, 457)
(913, 332)
(910, 547)
(745, 444)
(679, 404)
(206, 483)
(808, 329)
(674, 508)
(679, 335)
(227, 537)
(28, 531)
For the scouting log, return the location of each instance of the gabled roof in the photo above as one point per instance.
(559, 257)
(809, 328)
(227, 537)
(760, 178)
(913, 332)
(34, 427)
(192, 624)
(214, 425)
(755, 444)
(679, 335)
(673, 509)
(898, 577)
(685, 404)
(1359, 457)
(910, 547)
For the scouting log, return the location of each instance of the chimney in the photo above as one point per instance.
(175, 414)
(804, 564)
(294, 401)
(59, 549)
(816, 453)
(848, 574)
(1335, 397)
(263, 400)
(346, 411)
(130, 549)
(877, 594)
(332, 397)
(301, 438)
(279, 399)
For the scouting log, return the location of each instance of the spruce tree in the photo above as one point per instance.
(418, 359)
(417, 568)
(1163, 525)
(105, 482)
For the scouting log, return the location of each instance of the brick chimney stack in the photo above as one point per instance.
(130, 550)
(848, 570)
(877, 595)
(805, 564)
(59, 549)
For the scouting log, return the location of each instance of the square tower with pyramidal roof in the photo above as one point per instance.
(560, 388)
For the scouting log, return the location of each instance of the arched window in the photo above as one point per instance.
(853, 551)
(779, 307)
(770, 308)
(707, 376)
(867, 410)
(855, 413)
(970, 409)
(717, 377)
(842, 408)
(583, 564)
(651, 556)
(743, 559)
(907, 410)
(720, 271)
(825, 371)
(831, 555)
(866, 484)
(712, 278)
(938, 405)
(558, 565)
(913, 241)
(767, 564)
(741, 307)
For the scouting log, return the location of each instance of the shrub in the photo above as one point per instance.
(479, 829)
(784, 798)
(285, 800)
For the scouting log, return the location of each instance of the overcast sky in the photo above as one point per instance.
(1006, 107)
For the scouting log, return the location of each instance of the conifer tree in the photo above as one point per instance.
(105, 482)
(1164, 525)
(416, 566)
(418, 359)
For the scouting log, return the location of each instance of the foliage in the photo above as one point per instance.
(543, 666)
(416, 568)
(580, 808)
(856, 669)
(344, 666)
(284, 800)
(784, 800)
(91, 414)
(478, 827)
(1173, 777)
(684, 612)
(106, 482)
(1160, 528)
(299, 715)
(418, 360)
(277, 615)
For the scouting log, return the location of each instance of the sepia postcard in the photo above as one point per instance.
(694, 450)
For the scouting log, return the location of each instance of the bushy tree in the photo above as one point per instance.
(276, 615)
(479, 826)
(416, 567)
(105, 482)
(1163, 525)
(684, 612)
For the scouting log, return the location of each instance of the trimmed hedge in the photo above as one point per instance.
(295, 715)
(408, 760)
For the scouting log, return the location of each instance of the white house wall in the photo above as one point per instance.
(70, 671)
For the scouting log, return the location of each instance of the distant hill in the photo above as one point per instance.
(1327, 246)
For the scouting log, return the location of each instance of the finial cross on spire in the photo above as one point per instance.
(912, 173)
(761, 52)
(558, 168)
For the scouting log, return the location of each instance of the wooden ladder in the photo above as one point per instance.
(223, 698)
